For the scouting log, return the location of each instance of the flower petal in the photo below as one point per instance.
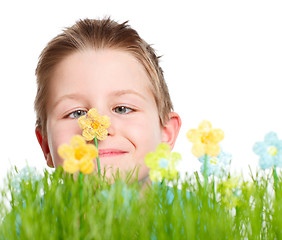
(92, 151)
(102, 134)
(259, 148)
(83, 122)
(175, 156)
(205, 126)
(164, 148)
(266, 161)
(86, 166)
(71, 166)
(271, 138)
(66, 152)
(89, 134)
(105, 121)
(93, 113)
(198, 150)
(212, 149)
(77, 141)
(216, 135)
(193, 135)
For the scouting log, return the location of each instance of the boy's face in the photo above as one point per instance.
(116, 84)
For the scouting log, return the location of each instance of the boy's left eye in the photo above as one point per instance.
(122, 110)
(77, 114)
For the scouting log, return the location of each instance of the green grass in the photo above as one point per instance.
(55, 206)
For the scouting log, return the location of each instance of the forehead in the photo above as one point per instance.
(99, 71)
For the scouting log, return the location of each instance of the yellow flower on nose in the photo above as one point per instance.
(94, 125)
(78, 156)
(205, 139)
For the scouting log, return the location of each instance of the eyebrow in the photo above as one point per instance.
(67, 96)
(127, 91)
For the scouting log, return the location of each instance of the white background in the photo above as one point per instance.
(222, 61)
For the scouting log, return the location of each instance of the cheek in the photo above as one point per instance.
(145, 134)
(59, 133)
(55, 141)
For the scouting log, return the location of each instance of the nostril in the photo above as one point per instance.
(110, 131)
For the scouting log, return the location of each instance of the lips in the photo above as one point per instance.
(111, 152)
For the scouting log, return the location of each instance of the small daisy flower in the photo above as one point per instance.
(26, 175)
(78, 156)
(217, 166)
(94, 125)
(270, 151)
(162, 163)
(205, 140)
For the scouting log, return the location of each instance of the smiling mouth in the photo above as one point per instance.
(111, 152)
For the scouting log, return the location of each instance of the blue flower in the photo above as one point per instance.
(270, 151)
(27, 175)
(218, 165)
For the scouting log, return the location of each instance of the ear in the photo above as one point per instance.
(171, 129)
(43, 142)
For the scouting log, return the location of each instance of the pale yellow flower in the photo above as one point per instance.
(205, 139)
(162, 163)
(94, 125)
(78, 156)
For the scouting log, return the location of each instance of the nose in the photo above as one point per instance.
(111, 130)
(102, 111)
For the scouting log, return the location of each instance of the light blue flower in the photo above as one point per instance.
(217, 166)
(270, 151)
(26, 175)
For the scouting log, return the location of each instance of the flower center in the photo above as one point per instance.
(214, 160)
(272, 150)
(205, 139)
(163, 163)
(95, 125)
(79, 153)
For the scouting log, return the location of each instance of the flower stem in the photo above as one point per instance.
(80, 199)
(213, 187)
(80, 187)
(205, 172)
(237, 221)
(275, 179)
(98, 161)
(162, 182)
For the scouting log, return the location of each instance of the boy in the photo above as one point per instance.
(104, 65)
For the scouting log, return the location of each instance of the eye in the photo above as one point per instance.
(77, 114)
(122, 110)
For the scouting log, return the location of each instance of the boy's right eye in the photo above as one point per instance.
(76, 114)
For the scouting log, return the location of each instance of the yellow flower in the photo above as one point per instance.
(94, 125)
(162, 163)
(205, 139)
(78, 156)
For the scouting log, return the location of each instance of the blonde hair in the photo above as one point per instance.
(99, 34)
